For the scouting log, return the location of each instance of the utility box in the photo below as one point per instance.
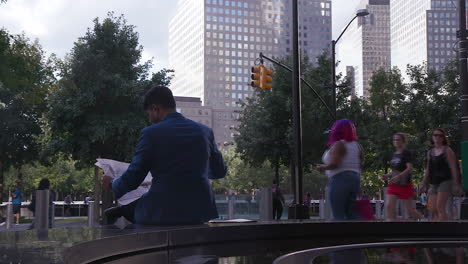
(464, 167)
(464, 209)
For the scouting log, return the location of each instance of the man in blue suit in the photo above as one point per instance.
(182, 157)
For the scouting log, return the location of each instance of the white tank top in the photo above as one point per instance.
(350, 162)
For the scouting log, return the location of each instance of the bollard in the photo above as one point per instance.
(328, 211)
(322, 209)
(41, 219)
(9, 215)
(52, 216)
(266, 204)
(457, 210)
(231, 202)
(449, 209)
(378, 210)
(92, 221)
(385, 203)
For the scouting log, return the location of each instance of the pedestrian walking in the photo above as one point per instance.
(16, 202)
(441, 175)
(342, 164)
(278, 201)
(399, 179)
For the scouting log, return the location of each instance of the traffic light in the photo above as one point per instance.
(261, 77)
(256, 73)
(266, 78)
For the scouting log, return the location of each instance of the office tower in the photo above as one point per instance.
(423, 31)
(365, 46)
(214, 43)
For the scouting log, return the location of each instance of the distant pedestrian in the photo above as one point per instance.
(278, 201)
(441, 174)
(400, 186)
(342, 164)
(68, 200)
(307, 199)
(16, 202)
(424, 204)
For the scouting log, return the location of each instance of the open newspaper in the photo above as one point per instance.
(115, 169)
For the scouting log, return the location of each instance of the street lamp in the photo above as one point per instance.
(359, 13)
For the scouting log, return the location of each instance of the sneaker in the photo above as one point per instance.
(113, 214)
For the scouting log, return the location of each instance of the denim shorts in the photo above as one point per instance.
(445, 186)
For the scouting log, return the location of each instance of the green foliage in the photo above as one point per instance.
(265, 122)
(95, 110)
(25, 77)
(430, 99)
(63, 176)
(243, 177)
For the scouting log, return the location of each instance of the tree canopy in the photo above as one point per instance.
(426, 100)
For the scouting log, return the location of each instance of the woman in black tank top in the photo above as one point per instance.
(441, 174)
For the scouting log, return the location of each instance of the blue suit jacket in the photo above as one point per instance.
(181, 155)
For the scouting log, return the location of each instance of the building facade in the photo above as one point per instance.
(365, 47)
(214, 43)
(423, 31)
(192, 108)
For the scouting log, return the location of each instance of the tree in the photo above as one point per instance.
(64, 177)
(25, 77)
(265, 122)
(96, 110)
(428, 100)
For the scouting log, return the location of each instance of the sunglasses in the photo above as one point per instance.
(438, 135)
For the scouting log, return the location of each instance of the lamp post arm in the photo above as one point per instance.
(342, 32)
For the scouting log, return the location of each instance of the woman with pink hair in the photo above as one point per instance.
(342, 164)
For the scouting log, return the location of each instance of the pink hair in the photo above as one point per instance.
(342, 129)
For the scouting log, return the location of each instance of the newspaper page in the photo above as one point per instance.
(115, 169)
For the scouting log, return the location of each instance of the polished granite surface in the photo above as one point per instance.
(85, 244)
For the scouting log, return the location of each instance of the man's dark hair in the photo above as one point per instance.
(159, 95)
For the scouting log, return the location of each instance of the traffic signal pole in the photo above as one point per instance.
(298, 210)
(262, 56)
(463, 56)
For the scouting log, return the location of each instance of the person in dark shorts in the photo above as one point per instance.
(16, 202)
(441, 174)
(400, 186)
(278, 201)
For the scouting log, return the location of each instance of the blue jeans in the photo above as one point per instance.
(343, 189)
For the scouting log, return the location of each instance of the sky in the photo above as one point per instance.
(57, 24)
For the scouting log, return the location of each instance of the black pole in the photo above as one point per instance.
(299, 212)
(463, 70)
(333, 54)
(333, 70)
(463, 45)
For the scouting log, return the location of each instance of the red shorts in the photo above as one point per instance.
(402, 192)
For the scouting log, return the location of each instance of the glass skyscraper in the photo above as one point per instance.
(213, 44)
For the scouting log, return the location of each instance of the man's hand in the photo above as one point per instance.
(107, 182)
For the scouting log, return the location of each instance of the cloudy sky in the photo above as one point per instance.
(58, 23)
